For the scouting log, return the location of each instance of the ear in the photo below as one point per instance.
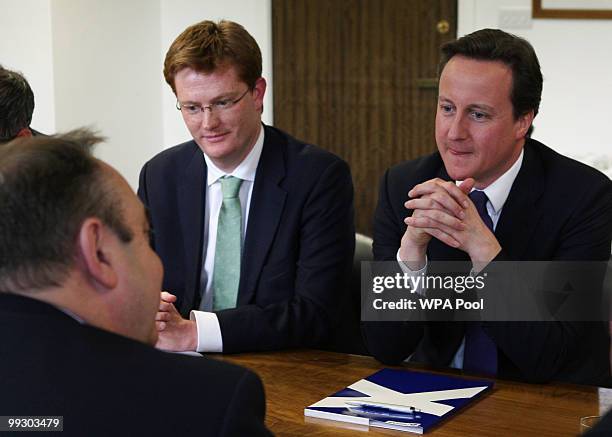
(25, 132)
(260, 91)
(523, 123)
(96, 246)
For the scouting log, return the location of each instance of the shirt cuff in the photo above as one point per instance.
(406, 269)
(209, 331)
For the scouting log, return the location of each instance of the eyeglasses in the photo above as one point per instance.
(192, 109)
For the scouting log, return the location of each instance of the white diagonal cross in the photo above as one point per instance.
(424, 401)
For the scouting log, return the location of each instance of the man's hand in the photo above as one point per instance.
(174, 333)
(446, 212)
(434, 203)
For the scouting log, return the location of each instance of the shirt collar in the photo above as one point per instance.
(246, 169)
(498, 191)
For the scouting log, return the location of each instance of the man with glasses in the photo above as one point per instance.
(254, 228)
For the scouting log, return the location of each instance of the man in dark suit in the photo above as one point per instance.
(491, 193)
(80, 289)
(254, 228)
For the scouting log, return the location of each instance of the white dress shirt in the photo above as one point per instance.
(497, 192)
(207, 323)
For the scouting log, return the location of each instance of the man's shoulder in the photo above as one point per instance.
(300, 153)
(182, 367)
(563, 169)
(202, 368)
(202, 380)
(181, 154)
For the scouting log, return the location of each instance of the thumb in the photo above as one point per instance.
(467, 185)
(168, 297)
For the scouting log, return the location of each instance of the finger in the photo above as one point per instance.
(164, 306)
(435, 219)
(440, 186)
(437, 200)
(168, 297)
(443, 237)
(160, 326)
(162, 317)
(423, 188)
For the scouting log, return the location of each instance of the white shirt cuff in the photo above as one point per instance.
(406, 269)
(209, 331)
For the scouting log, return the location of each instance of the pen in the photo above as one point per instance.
(406, 409)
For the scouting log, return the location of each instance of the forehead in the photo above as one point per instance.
(190, 83)
(471, 79)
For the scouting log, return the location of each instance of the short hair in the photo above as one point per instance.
(207, 45)
(513, 51)
(16, 104)
(48, 187)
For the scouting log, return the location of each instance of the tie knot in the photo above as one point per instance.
(230, 186)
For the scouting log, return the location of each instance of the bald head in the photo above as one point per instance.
(74, 234)
(48, 186)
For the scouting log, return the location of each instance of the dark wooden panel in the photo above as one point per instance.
(345, 78)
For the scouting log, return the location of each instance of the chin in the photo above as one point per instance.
(458, 173)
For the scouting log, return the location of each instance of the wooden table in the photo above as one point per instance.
(296, 379)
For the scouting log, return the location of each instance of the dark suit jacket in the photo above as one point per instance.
(557, 209)
(104, 384)
(298, 248)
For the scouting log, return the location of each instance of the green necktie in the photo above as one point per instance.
(226, 274)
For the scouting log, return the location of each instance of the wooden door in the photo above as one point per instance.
(357, 77)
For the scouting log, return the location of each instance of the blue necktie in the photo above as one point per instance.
(480, 353)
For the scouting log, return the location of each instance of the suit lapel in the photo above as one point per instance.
(520, 214)
(191, 200)
(265, 212)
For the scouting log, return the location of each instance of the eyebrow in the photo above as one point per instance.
(482, 106)
(472, 106)
(223, 96)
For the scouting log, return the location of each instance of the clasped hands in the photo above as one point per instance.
(173, 332)
(443, 210)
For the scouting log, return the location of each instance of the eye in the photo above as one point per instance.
(223, 104)
(445, 108)
(191, 109)
(478, 115)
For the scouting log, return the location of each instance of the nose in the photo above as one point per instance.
(457, 129)
(210, 120)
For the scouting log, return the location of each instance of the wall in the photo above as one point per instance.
(94, 62)
(106, 55)
(99, 63)
(25, 46)
(575, 58)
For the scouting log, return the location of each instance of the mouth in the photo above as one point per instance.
(214, 138)
(456, 152)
